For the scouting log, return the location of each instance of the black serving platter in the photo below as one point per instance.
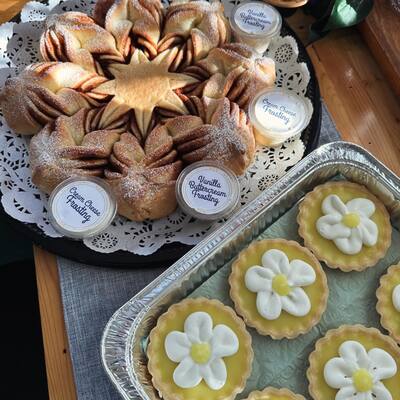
(169, 253)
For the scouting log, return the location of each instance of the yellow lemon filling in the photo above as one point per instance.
(200, 352)
(351, 220)
(280, 285)
(362, 380)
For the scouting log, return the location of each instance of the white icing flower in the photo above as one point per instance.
(396, 298)
(199, 351)
(358, 374)
(348, 225)
(278, 285)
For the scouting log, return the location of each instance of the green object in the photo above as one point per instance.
(352, 300)
(335, 14)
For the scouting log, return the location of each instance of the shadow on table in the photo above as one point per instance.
(22, 356)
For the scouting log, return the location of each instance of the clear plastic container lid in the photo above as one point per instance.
(255, 19)
(278, 114)
(81, 207)
(207, 190)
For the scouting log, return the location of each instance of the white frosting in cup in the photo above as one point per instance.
(207, 190)
(81, 207)
(255, 18)
(278, 114)
(255, 24)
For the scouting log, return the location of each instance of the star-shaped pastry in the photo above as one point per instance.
(142, 85)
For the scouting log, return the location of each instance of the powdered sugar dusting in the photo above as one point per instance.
(24, 202)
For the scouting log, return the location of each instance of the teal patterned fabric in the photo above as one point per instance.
(352, 300)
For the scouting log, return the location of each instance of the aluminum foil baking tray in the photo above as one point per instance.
(124, 337)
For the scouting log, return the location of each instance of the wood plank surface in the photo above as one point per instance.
(60, 378)
(359, 98)
(58, 361)
(381, 30)
(10, 8)
(362, 105)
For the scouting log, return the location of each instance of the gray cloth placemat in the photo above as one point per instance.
(91, 295)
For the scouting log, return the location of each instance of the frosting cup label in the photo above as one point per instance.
(80, 206)
(279, 112)
(255, 18)
(207, 190)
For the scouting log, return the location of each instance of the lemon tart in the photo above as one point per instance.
(354, 362)
(200, 349)
(274, 394)
(279, 288)
(388, 305)
(345, 225)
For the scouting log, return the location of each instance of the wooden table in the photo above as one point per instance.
(362, 105)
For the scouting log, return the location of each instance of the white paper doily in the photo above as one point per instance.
(23, 201)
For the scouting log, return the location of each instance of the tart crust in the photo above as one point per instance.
(390, 317)
(161, 368)
(286, 326)
(324, 249)
(327, 348)
(271, 393)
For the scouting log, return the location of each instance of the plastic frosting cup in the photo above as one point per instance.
(81, 207)
(206, 190)
(255, 23)
(278, 114)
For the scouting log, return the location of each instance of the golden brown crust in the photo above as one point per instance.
(195, 27)
(165, 388)
(133, 23)
(384, 305)
(342, 332)
(341, 260)
(43, 92)
(238, 72)
(143, 180)
(76, 38)
(269, 393)
(234, 282)
(221, 132)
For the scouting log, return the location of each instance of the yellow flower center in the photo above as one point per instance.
(280, 285)
(362, 380)
(200, 352)
(351, 220)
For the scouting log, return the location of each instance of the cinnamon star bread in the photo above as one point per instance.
(134, 93)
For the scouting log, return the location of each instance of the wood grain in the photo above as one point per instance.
(362, 105)
(381, 30)
(361, 102)
(10, 8)
(58, 361)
